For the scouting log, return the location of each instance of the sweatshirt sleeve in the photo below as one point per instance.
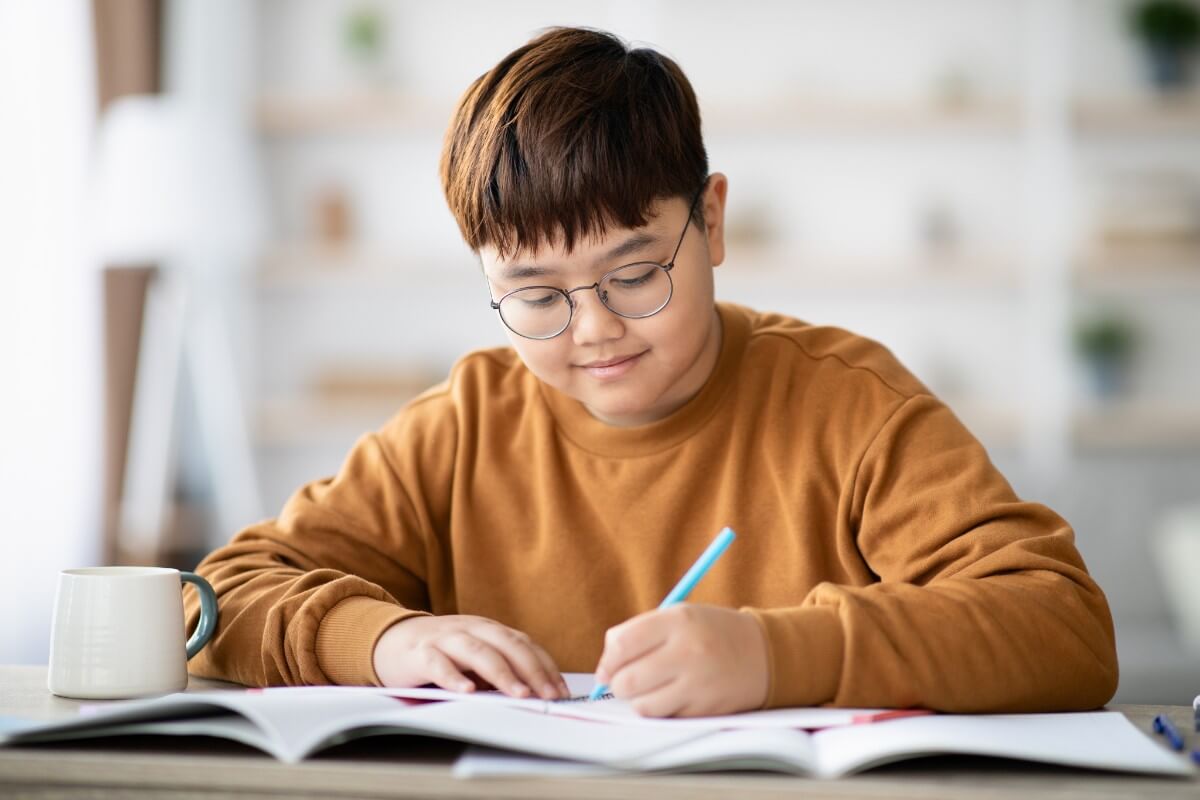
(303, 598)
(982, 604)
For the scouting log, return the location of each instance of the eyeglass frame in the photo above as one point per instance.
(566, 293)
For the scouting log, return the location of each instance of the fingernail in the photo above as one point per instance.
(519, 689)
(465, 686)
(549, 691)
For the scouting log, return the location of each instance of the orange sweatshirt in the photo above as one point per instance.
(886, 559)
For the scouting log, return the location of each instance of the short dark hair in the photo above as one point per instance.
(570, 134)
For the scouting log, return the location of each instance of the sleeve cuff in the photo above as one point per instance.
(347, 635)
(804, 654)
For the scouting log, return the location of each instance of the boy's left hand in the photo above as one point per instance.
(686, 661)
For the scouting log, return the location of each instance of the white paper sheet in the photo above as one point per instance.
(618, 711)
(1097, 740)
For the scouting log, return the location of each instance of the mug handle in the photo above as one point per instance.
(208, 613)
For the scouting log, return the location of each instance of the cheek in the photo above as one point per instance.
(544, 359)
(675, 329)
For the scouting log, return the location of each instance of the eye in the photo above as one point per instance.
(539, 298)
(640, 278)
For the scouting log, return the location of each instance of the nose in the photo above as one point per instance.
(593, 322)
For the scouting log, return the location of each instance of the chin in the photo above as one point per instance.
(619, 410)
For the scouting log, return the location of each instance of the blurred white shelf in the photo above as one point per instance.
(383, 111)
(1146, 115)
(1137, 425)
(311, 266)
(775, 270)
(280, 114)
(797, 115)
(994, 426)
(351, 112)
(306, 421)
(1155, 270)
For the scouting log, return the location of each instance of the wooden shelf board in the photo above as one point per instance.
(1153, 269)
(1133, 425)
(350, 112)
(313, 266)
(1138, 115)
(387, 111)
(312, 421)
(296, 113)
(994, 426)
(766, 268)
(795, 115)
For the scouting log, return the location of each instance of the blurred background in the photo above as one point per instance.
(226, 253)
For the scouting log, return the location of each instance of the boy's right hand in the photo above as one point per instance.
(440, 650)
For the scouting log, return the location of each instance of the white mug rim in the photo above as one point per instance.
(118, 572)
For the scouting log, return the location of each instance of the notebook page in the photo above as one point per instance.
(618, 711)
(1098, 740)
(778, 749)
(489, 762)
(286, 729)
(775, 750)
(510, 728)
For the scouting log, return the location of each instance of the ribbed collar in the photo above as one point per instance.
(589, 433)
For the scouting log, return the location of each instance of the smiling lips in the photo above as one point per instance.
(612, 367)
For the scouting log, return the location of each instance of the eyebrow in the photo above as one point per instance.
(638, 241)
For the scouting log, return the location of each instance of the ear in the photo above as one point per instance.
(713, 205)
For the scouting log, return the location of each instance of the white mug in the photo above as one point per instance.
(118, 632)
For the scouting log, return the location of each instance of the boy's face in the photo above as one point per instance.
(628, 371)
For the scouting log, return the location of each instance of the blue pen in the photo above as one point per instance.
(686, 584)
(1163, 725)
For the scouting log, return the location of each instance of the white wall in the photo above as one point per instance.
(50, 343)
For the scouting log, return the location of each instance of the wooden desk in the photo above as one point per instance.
(408, 767)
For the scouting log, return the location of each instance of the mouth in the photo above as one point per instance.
(612, 367)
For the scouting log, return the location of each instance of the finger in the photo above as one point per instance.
(556, 676)
(647, 674)
(552, 671)
(440, 671)
(518, 649)
(630, 641)
(469, 652)
(640, 678)
(551, 668)
(665, 701)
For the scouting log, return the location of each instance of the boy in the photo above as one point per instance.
(524, 516)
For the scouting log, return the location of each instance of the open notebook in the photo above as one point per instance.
(294, 723)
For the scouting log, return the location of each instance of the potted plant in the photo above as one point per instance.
(1106, 343)
(1169, 31)
(364, 35)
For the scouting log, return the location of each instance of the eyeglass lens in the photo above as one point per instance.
(633, 291)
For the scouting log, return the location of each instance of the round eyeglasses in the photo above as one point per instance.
(633, 291)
